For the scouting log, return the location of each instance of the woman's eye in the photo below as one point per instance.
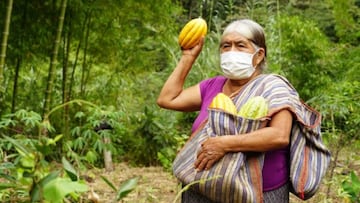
(240, 45)
(225, 46)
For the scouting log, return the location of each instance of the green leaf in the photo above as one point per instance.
(53, 141)
(108, 182)
(19, 147)
(28, 161)
(4, 186)
(35, 192)
(6, 165)
(354, 178)
(7, 177)
(70, 170)
(126, 188)
(56, 190)
(91, 157)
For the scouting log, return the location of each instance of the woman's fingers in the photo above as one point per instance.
(210, 152)
(195, 51)
(210, 163)
(206, 159)
(200, 161)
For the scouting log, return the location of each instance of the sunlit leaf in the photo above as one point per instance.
(127, 187)
(56, 190)
(28, 161)
(79, 114)
(91, 156)
(51, 141)
(38, 187)
(69, 169)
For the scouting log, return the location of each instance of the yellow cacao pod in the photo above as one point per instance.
(192, 32)
(254, 108)
(221, 101)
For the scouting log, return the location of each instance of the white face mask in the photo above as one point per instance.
(237, 65)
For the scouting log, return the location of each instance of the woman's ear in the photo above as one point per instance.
(260, 56)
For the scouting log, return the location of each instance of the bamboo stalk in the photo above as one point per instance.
(53, 62)
(4, 46)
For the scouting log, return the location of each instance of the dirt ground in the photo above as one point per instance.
(154, 185)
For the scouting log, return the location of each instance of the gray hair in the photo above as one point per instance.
(252, 31)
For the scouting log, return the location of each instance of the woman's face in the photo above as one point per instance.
(236, 42)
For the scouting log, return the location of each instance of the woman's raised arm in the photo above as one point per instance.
(173, 95)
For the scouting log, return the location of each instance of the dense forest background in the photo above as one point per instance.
(79, 81)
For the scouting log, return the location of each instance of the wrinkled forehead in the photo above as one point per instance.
(234, 37)
(240, 29)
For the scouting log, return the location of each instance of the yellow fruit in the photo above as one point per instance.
(192, 33)
(221, 101)
(254, 108)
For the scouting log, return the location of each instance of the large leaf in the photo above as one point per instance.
(56, 190)
(126, 188)
(70, 170)
(35, 192)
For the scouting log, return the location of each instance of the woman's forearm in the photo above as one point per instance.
(175, 83)
(275, 136)
(262, 140)
(173, 95)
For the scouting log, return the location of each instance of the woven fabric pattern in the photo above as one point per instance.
(237, 176)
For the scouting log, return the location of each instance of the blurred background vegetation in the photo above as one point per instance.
(69, 66)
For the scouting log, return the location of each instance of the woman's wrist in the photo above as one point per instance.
(188, 57)
(187, 60)
(225, 142)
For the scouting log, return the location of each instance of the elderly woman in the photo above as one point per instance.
(242, 57)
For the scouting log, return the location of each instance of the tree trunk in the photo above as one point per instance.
(106, 140)
(86, 21)
(16, 78)
(107, 156)
(3, 50)
(53, 61)
(85, 65)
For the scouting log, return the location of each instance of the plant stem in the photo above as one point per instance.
(186, 187)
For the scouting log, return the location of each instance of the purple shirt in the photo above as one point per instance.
(276, 165)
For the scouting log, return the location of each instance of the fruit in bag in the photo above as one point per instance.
(254, 108)
(222, 101)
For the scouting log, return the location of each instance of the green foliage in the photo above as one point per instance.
(22, 122)
(352, 187)
(149, 137)
(87, 141)
(346, 16)
(56, 190)
(121, 52)
(31, 176)
(346, 67)
(301, 56)
(340, 111)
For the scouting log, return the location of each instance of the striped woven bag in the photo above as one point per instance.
(237, 177)
(309, 157)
